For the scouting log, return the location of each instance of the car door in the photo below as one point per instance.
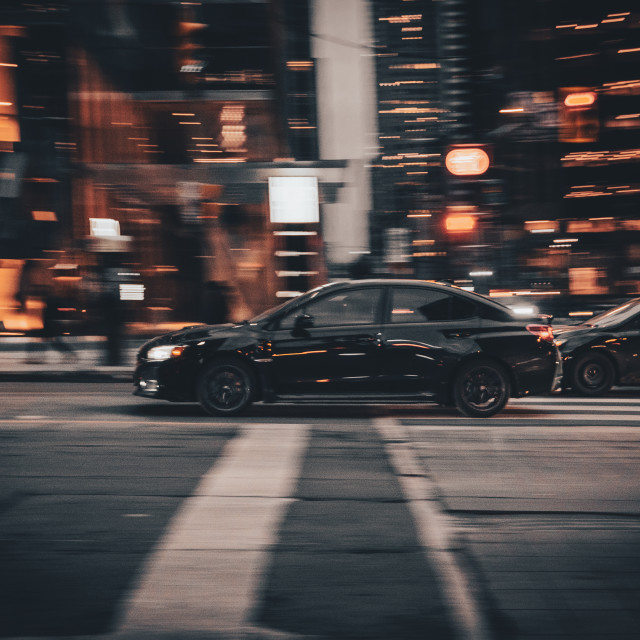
(426, 331)
(627, 346)
(330, 345)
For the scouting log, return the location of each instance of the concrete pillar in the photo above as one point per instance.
(347, 120)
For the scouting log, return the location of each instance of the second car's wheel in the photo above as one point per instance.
(481, 389)
(592, 374)
(225, 387)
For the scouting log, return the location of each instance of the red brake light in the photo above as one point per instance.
(543, 331)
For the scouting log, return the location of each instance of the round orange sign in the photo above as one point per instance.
(467, 161)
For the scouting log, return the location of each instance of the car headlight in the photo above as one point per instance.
(165, 352)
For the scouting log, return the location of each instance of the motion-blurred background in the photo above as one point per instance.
(200, 161)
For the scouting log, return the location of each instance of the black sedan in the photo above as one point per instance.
(359, 341)
(602, 352)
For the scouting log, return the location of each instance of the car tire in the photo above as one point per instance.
(225, 387)
(592, 375)
(481, 389)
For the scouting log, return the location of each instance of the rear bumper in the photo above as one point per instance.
(539, 376)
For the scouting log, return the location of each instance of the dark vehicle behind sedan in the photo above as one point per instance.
(359, 341)
(602, 352)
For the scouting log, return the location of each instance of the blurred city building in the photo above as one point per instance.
(256, 148)
(190, 129)
(548, 90)
(559, 98)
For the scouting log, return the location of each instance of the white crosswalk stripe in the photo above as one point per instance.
(207, 569)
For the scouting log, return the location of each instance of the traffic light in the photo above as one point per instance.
(578, 115)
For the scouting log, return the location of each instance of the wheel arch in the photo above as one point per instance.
(209, 358)
(591, 350)
(479, 357)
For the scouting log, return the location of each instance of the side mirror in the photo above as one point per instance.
(303, 321)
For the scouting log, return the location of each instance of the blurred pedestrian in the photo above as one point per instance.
(113, 316)
(362, 268)
(58, 320)
(215, 303)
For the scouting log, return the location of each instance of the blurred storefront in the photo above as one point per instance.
(168, 119)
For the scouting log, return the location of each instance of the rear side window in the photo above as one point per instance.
(426, 305)
(491, 313)
(461, 308)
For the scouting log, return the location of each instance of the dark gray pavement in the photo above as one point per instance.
(545, 513)
(528, 523)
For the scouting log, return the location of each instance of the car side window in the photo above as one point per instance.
(633, 325)
(461, 308)
(491, 313)
(426, 305)
(418, 305)
(353, 307)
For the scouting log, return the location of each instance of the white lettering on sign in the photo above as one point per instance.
(192, 68)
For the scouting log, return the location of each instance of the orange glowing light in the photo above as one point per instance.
(580, 99)
(467, 161)
(460, 223)
(44, 216)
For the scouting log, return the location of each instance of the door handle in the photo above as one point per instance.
(457, 334)
(367, 340)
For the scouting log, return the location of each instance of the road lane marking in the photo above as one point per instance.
(435, 531)
(539, 419)
(561, 428)
(582, 400)
(207, 570)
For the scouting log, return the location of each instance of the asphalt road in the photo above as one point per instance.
(135, 518)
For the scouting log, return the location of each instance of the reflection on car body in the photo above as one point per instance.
(360, 341)
(602, 352)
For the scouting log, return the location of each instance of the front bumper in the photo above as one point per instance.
(556, 386)
(166, 380)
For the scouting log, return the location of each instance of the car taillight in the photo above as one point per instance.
(543, 331)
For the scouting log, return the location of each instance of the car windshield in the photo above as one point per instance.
(615, 315)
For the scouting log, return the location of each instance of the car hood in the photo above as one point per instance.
(193, 333)
(574, 337)
(571, 330)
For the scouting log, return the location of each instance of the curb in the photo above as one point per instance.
(106, 374)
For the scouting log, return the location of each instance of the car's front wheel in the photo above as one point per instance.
(225, 387)
(592, 375)
(481, 389)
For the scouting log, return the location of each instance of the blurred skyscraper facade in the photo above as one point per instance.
(272, 144)
(550, 91)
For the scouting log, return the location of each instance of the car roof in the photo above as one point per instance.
(397, 281)
(411, 282)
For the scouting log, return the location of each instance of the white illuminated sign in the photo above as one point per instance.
(131, 291)
(293, 200)
(104, 227)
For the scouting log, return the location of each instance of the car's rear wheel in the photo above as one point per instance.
(592, 375)
(481, 389)
(225, 387)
